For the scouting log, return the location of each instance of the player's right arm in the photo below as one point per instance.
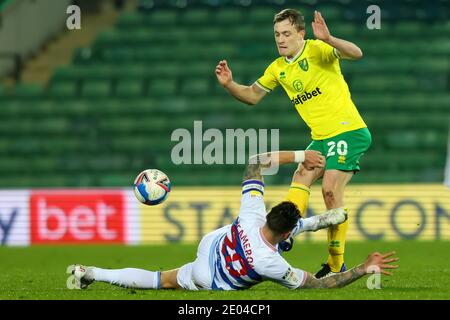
(309, 158)
(376, 262)
(248, 94)
(252, 208)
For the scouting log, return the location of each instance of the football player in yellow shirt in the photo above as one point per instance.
(309, 72)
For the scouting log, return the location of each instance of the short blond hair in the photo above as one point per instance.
(295, 17)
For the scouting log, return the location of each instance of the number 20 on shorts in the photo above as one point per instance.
(340, 147)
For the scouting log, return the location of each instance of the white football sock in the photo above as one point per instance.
(129, 277)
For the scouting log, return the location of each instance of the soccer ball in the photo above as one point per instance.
(151, 187)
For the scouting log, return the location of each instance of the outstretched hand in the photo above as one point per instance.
(313, 159)
(320, 28)
(223, 73)
(378, 263)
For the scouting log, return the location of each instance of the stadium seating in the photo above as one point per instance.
(111, 113)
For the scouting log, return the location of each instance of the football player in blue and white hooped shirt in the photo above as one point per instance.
(245, 253)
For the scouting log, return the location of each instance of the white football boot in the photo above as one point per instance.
(81, 278)
(330, 218)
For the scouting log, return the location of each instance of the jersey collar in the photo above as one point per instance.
(263, 238)
(289, 61)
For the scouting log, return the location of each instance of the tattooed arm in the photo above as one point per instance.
(375, 262)
(265, 160)
(337, 280)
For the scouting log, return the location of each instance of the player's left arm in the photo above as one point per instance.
(375, 262)
(344, 49)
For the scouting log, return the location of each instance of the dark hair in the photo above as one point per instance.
(295, 18)
(283, 217)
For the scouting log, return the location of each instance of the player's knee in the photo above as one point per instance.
(329, 195)
(169, 280)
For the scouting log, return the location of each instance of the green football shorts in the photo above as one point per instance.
(344, 150)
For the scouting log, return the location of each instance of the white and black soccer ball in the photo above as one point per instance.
(152, 187)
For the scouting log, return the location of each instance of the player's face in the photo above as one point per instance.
(287, 38)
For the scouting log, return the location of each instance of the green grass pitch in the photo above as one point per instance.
(39, 272)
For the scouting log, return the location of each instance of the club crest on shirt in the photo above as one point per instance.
(304, 64)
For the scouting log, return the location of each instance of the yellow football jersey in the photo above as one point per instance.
(316, 87)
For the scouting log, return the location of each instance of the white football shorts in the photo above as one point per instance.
(197, 275)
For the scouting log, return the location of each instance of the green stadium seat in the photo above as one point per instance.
(76, 107)
(205, 36)
(408, 140)
(196, 86)
(65, 73)
(198, 68)
(9, 165)
(162, 18)
(382, 83)
(91, 72)
(437, 46)
(156, 53)
(28, 90)
(108, 38)
(330, 12)
(439, 65)
(96, 89)
(162, 87)
(129, 88)
(229, 16)
(131, 20)
(160, 70)
(242, 34)
(343, 30)
(196, 16)
(219, 51)
(46, 164)
(443, 26)
(63, 89)
(141, 36)
(408, 29)
(118, 54)
(115, 179)
(84, 56)
(261, 15)
(53, 126)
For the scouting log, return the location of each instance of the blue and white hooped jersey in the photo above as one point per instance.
(242, 257)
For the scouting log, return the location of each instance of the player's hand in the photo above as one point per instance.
(313, 159)
(320, 28)
(223, 73)
(378, 263)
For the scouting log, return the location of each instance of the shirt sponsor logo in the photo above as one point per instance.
(291, 277)
(298, 85)
(300, 99)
